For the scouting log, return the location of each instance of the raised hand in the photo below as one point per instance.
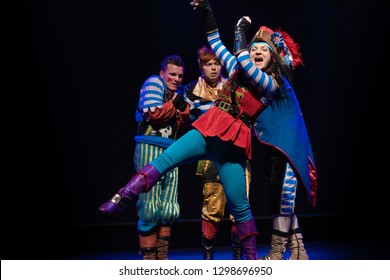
(210, 23)
(195, 3)
(243, 24)
(204, 4)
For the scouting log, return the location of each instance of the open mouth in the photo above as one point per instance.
(258, 59)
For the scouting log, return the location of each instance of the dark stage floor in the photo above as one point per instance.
(326, 237)
(317, 250)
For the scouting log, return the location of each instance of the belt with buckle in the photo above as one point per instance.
(232, 109)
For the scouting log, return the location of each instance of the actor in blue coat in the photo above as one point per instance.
(289, 159)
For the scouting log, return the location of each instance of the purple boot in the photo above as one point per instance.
(142, 181)
(247, 233)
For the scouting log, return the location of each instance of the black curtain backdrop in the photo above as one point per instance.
(77, 67)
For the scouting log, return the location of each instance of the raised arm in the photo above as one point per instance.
(241, 28)
(227, 59)
(262, 81)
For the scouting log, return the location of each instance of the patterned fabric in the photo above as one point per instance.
(288, 191)
(152, 96)
(160, 204)
(260, 80)
(214, 202)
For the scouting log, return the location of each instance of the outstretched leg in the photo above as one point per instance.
(179, 153)
(140, 182)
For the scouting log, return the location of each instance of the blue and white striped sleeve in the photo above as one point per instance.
(151, 94)
(262, 81)
(227, 59)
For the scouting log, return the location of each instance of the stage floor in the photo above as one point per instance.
(317, 250)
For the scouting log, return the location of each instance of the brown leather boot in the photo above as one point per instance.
(278, 245)
(298, 251)
(148, 246)
(164, 234)
(280, 227)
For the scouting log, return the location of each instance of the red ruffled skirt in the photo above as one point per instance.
(216, 122)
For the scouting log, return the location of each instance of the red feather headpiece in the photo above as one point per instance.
(281, 43)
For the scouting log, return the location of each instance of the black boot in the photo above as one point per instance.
(208, 248)
(236, 247)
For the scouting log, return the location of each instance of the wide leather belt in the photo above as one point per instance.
(233, 110)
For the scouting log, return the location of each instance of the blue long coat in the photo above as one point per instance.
(282, 126)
